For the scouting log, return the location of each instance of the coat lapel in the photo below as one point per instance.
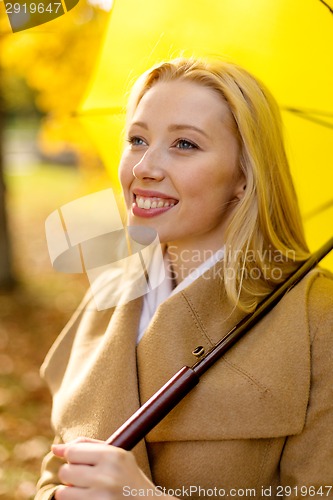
(258, 389)
(99, 388)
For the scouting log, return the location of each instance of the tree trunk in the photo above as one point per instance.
(6, 273)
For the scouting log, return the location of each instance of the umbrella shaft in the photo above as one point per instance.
(164, 400)
(154, 410)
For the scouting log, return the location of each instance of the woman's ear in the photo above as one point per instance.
(240, 190)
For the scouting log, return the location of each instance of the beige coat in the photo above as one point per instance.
(259, 418)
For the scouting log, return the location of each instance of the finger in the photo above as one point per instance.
(71, 493)
(85, 453)
(63, 493)
(89, 479)
(59, 449)
(81, 476)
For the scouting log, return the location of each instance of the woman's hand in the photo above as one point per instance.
(97, 470)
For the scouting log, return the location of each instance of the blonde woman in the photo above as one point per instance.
(205, 167)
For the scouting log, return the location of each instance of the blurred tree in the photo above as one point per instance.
(47, 69)
(55, 61)
(6, 273)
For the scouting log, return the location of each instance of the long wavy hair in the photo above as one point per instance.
(264, 241)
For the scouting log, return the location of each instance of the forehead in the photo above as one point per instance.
(184, 98)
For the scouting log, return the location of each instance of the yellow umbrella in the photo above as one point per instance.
(288, 45)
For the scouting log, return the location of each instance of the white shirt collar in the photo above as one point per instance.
(199, 271)
(155, 297)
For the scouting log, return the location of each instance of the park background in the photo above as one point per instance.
(46, 160)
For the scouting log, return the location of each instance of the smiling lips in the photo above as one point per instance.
(149, 206)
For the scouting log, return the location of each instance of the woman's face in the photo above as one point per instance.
(180, 172)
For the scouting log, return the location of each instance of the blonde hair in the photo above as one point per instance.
(264, 241)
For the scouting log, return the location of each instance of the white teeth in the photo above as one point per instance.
(147, 203)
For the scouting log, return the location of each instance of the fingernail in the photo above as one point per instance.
(56, 448)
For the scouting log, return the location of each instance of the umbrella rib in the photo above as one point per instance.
(309, 117)
(318, 210)
(310, 111)
(118, 110)
(326, 5)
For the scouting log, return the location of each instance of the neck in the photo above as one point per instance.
(184, 259)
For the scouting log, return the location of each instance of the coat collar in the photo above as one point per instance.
(258, 389)
(93, 374)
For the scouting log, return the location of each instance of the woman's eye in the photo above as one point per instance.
(185, 144)
(136, 141)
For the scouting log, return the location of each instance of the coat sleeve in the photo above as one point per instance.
(59, 352)
(49, 480)
(307, 461)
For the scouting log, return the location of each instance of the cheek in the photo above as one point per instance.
(210, 191)
(125, 175)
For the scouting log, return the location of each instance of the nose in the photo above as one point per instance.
(150, 166)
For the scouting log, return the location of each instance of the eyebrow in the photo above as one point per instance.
(182, 126)
(139, 124)
(171, 128)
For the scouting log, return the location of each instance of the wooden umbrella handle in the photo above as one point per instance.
(166, 398)
(156, 408)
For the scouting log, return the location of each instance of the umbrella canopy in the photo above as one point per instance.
(288, 45)
(23, 16)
